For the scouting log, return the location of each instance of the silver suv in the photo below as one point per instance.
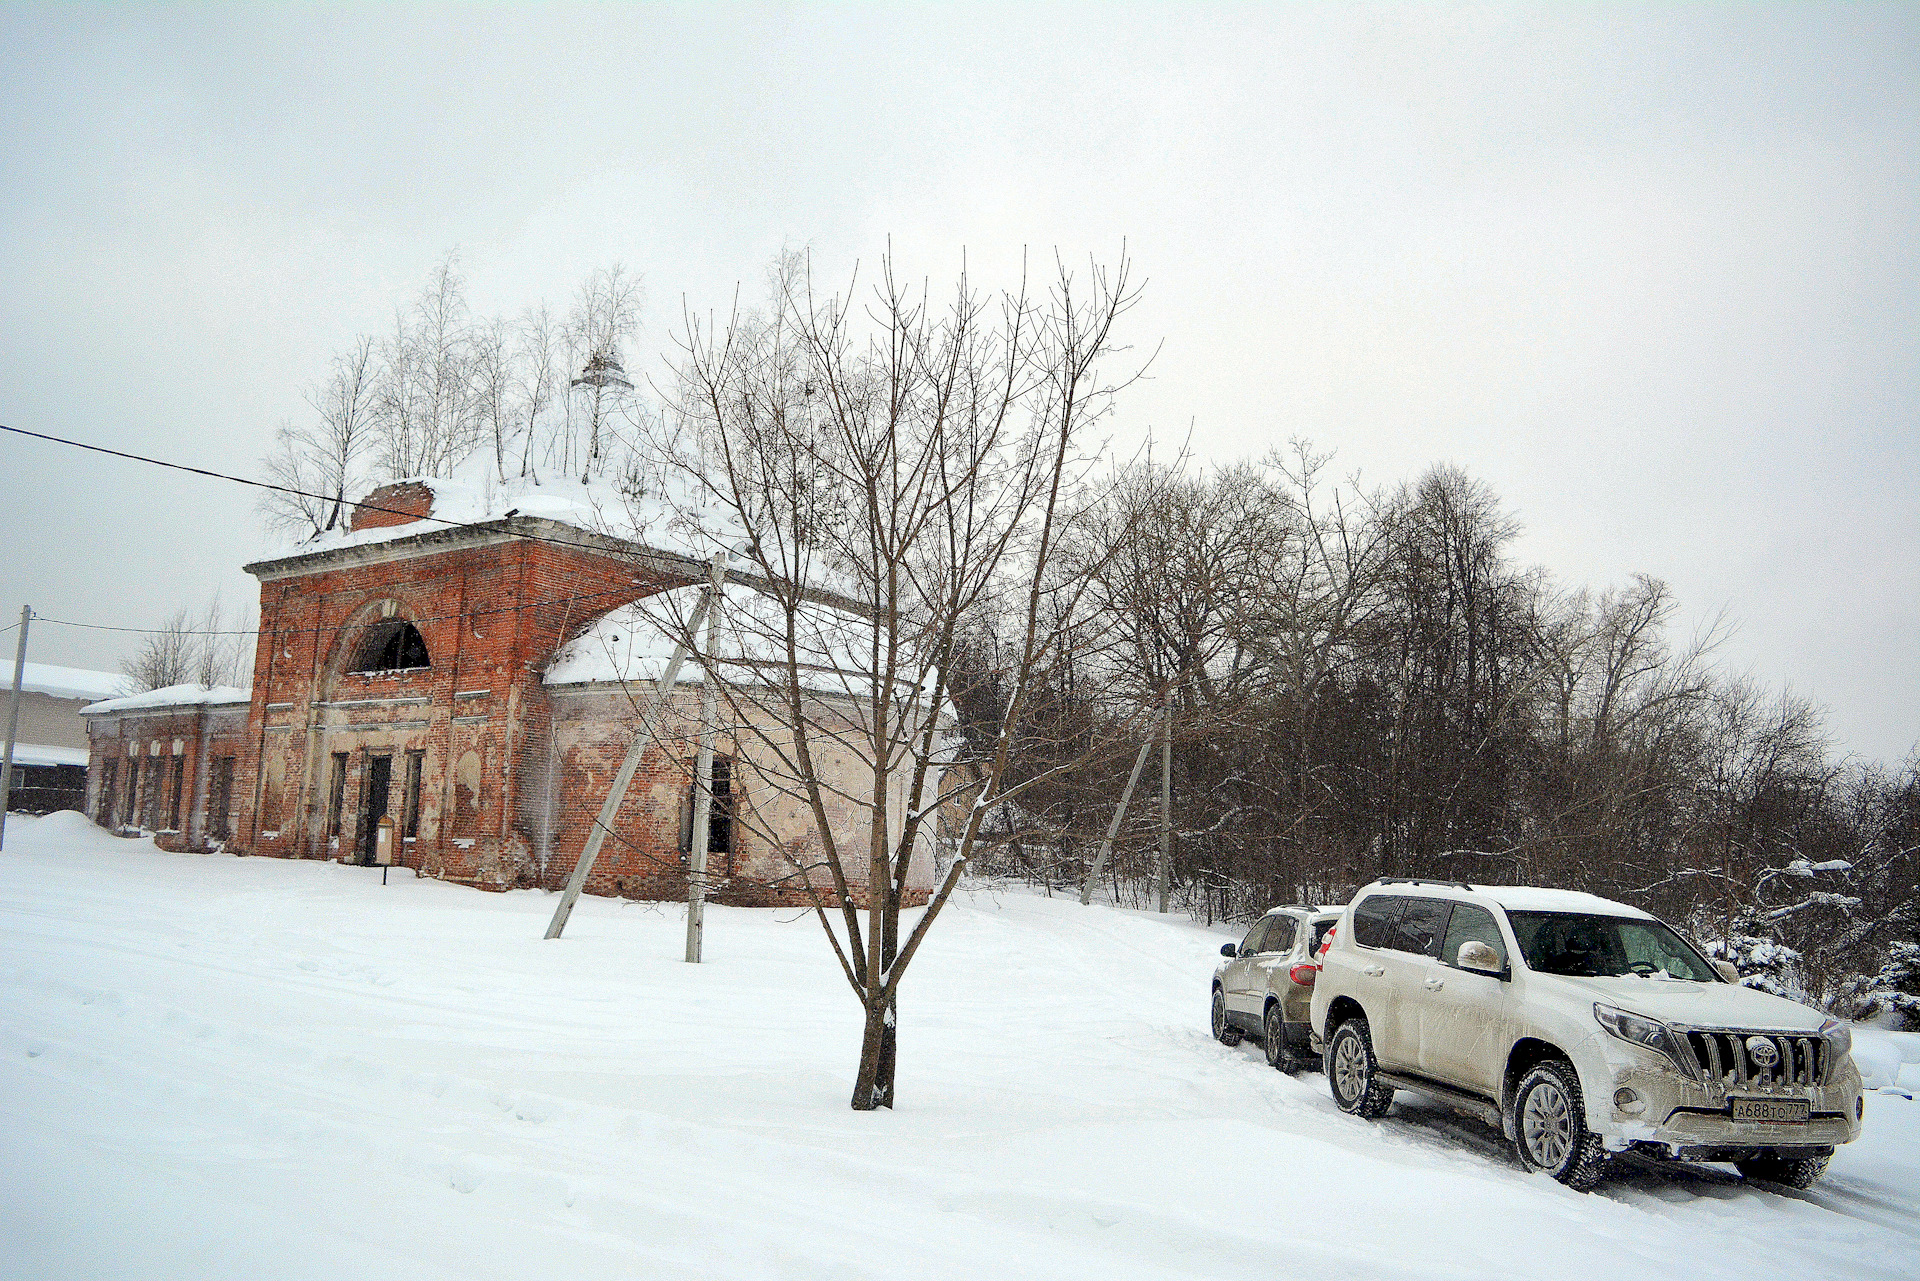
(1265, 987)
(1582, 1027)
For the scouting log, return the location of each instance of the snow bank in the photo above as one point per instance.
(172, 696)
(1887, 1060)
(68, 682)
(252, 1067)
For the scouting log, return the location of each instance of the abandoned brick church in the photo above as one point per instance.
(420, 675)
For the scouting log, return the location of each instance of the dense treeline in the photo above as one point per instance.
(1367, 684)
(1361, 683)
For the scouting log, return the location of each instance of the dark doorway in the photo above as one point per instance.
(379, 780)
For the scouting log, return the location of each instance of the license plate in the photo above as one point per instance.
(1770, 1109)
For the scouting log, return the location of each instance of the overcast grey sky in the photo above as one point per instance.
(1651, 273)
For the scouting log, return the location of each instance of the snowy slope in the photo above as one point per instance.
(221, 1067)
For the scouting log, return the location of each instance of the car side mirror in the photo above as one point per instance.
(1478, 956)
(1727, 970)
(1228, 949)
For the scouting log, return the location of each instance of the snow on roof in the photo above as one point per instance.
(38, 754)
(635, 643)
(171, 696)
(1530, 898)
(71, 682)
(1516, 898)
(475, 494)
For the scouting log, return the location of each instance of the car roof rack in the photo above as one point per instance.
(1421, 880)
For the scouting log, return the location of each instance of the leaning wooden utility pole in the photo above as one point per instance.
(617, 791)
(1113, 828)
(13, 722)
(703, 781)
(1166, 802)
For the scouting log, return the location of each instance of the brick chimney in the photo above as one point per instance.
(403, 504)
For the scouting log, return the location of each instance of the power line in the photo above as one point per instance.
(298, 493)
(301, 493)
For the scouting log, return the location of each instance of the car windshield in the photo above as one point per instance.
(1582, 946)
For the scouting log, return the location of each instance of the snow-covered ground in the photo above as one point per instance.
(249, 1068)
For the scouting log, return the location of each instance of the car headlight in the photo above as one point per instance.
(1640, 1030)
(1838, 1035)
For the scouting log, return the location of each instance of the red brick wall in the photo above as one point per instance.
(397, 504)
(490, 616)
(150, 742)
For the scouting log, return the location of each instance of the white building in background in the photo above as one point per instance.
(50, 750)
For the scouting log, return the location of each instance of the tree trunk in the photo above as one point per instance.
(873, 1087)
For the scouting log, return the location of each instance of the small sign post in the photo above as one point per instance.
(383, 845)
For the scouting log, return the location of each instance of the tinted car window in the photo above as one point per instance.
(1320, 929)
(1584, 946)
(1421, 923)
(1470, 924)
(1373, 920)
(1279, 934)
(1251, 944)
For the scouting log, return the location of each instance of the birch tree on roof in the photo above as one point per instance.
(891, 465)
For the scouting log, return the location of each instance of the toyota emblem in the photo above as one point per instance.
(1763, 1051)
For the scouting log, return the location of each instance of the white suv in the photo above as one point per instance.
(1581, 1027)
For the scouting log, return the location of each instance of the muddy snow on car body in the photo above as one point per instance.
(224, 1067)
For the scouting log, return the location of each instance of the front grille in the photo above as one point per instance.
(1723, 1057)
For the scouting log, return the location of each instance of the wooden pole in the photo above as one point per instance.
(703, 784)
(1166, 803)
(1113, 828)
(13, 722)
(617, 792)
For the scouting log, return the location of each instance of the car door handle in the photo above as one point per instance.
(1373, 971)
(1434, 985)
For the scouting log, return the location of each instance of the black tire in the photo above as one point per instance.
(1550, 1127)
(1788, 1171)
(1223, 1031)
(1353, 1073)
(1278, 1055)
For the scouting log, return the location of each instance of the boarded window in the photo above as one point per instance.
(109, 784)
(466, 794)
(416, 765)
(336, 793)
(391, 645)
(220, 802)
(175, 785)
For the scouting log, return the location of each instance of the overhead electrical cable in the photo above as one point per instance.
(302, 493)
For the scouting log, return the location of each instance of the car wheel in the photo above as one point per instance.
(1550, 1125)
(1792, 1172)
(1223, 1031)
(1278, 1055)
(1353, 1072)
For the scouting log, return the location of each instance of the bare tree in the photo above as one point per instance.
(193, 648)
(322, 460)
(913, 463)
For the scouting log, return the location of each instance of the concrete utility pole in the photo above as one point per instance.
(1166, 803)
(1113, 828)
(13, 722)
(617, 791)
(703, 782)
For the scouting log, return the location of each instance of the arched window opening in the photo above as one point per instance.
(391, 646)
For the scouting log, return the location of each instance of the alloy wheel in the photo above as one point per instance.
(1546, 1125)
(1350, 1067)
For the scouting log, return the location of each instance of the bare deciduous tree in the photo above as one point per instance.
(917, 463)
